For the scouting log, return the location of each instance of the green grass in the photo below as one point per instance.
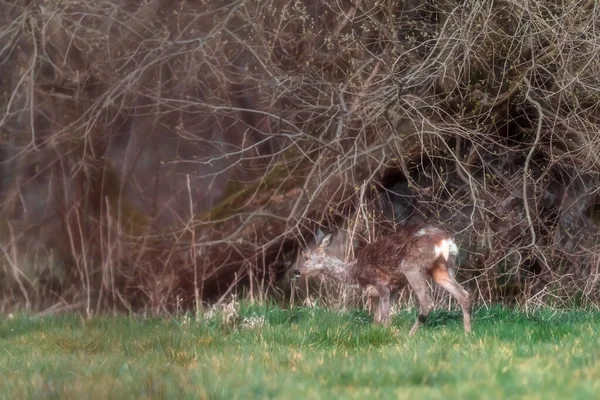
(302, 353)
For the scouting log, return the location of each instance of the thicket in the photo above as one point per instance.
(161, 154)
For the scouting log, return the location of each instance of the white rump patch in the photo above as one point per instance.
(453, 247)
(445, 248)
(421, 232)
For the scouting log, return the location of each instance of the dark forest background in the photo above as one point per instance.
(159, 155)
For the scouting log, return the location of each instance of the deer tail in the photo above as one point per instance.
(452, 255)
(449, 251)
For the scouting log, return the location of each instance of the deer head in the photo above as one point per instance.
(314, 262)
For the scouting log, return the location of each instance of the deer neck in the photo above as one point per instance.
(343, 272)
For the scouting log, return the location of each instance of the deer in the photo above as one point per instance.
(412, 255)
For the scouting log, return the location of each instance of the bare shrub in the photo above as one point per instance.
(158, 155)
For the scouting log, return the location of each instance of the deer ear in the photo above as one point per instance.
(326, 240)
(319, 235)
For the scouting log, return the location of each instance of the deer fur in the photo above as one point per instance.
(410, 256)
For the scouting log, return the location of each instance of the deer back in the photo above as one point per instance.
(412, 242)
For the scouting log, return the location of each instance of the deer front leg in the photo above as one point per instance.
(373, 296)
(383, 308)
(418, 283)
(377, 315)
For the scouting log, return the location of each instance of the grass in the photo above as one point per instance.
(302, 353)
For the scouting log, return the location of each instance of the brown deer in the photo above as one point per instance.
(411, 255)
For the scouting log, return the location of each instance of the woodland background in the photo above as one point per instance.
(160, 155)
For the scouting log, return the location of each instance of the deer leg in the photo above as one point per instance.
(377, 316)
(418, 282)
(383, 308)
(441, 276)
(372, 296)
(394, 296)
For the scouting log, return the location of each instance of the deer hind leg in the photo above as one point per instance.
(442, 277)
(418, 282)
(383, 307)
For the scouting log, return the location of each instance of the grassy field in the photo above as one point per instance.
(302, 353)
